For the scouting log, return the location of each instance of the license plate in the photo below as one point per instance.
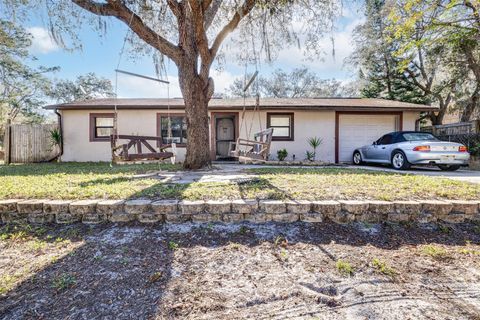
(447, 158)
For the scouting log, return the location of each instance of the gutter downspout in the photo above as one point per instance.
(60, 126)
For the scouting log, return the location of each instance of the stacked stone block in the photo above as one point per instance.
(174, 211)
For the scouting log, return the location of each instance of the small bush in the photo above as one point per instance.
(282, 154)
(55, 137)
(314, 142)
(172, 245)
(383, 267)
(434, 252)
(310, 155)
(64, 281)
(344, 268)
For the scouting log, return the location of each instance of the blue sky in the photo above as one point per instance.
(101, 54)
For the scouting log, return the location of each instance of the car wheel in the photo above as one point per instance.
(399, 161)
(357, 158)
(446, 167)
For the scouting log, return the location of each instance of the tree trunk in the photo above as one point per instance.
(471, 106)
(196, 94)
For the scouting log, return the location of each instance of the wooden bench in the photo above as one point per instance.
(124, 151)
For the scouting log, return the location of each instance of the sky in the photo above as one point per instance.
(101, 55)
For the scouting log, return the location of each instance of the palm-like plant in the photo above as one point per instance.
(309, 155)
(315, 142)
(55, 137)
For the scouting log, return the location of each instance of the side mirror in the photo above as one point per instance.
(374, 143)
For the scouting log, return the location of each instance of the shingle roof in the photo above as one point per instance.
(234, 104)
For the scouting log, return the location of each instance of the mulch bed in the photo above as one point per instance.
(236, 271)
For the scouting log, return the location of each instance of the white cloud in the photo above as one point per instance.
(223, 80)
(42, 42)
(330, 65)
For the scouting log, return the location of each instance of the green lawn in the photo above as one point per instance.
(102, 181)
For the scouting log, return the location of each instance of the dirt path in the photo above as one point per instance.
(217, 271)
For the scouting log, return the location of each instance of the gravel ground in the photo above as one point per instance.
(217, 271)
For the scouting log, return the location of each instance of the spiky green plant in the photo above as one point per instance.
(310, 155)
(315, 142)
(55, 137)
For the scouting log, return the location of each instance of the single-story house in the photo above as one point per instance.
(343, 124)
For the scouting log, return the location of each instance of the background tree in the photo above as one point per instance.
(299, 83)
(445, 34)
(374, 56)
(85, 87)
(191, 33)
(22, 88)
(400, 57)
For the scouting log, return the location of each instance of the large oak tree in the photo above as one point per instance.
(191, 33)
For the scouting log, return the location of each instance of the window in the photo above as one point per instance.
(419, 136)
(101, 126)
(386, 139)
(178, 126)
(282, 124)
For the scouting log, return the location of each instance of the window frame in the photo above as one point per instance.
(159, 126)
(291, 126)
(93, 126)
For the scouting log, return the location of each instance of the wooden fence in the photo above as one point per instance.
(453, 129)
(27, 143)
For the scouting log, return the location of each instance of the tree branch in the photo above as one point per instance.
(134, 22)
(175, 7)
(231, 25)
(416, 83)
(211, 12)
(200, 32)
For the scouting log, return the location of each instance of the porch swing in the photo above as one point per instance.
(123, 152)
(258, 149)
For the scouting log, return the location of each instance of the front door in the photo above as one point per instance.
(225, 133)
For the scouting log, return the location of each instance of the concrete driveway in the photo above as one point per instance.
(460, 175)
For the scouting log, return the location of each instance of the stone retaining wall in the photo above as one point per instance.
(174, 211)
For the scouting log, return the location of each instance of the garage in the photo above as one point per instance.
(357, 129)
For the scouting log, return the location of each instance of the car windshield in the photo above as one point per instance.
(418, 136)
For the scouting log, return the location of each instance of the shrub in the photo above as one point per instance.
(282, 154)
(55, 137)
(344, 268)
(383, 267)
(435, 252)
(315, 142)
(310, 155)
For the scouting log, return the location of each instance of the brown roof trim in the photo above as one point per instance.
(353, 104)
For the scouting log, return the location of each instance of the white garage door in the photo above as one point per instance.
(358, 130)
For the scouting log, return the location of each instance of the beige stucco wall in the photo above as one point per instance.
(409, 118)
(78, 147)
(76, 133)
(307, 124)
